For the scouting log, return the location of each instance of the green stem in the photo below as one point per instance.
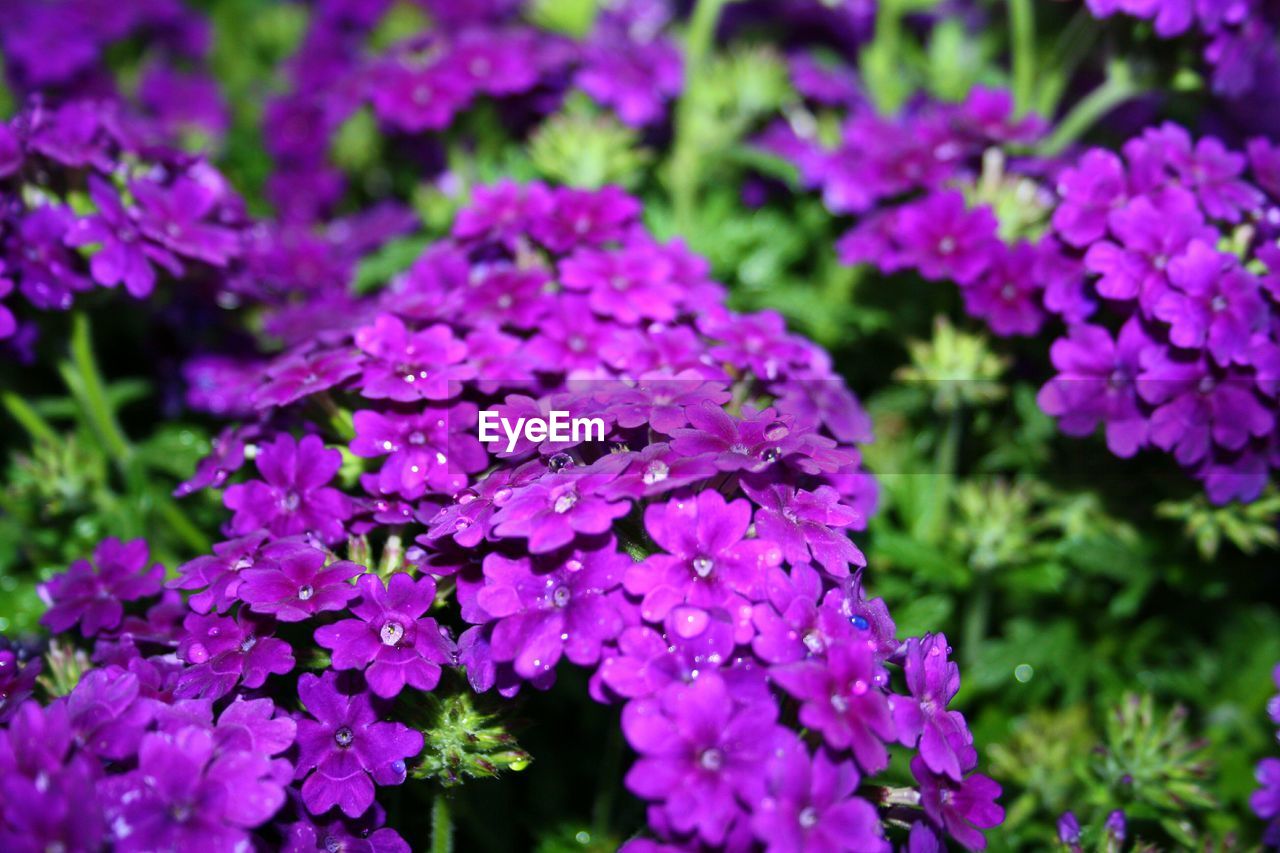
(880, 62)
(1022, 27)
(441, 826)
(686, 154)
(92, 392)
(30, 420)
(1120, 86)
(977, 616)
(1074, 44)
(946, 461)
(181, 526)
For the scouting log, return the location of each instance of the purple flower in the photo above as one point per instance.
(293, 377)
(185, 794)
(1211, 172)
(943, 239)
(48, 274)
(49, 793)
(416, 98)
(8, 323)
(407, 366)
(659, 399)
(174, 217)
(810, 805)
(341, 833)
(225, 652)
(1213, 304)
(295, 584)
(942, 736)
(256, 726)
(749, 443)
(294, 499)
(843, 699)
(391, 639)
(585, 218)
(699, 751)
(1097, 382)
(124, 257)
(1265, 801)
(216, 577)
(796, 621)
(434, 450)
(628, 284)
(647, 662)
(1007, 295)
(108, 713)
(807, 525)
(342, 747)
(559, 605)
(91, 594)
(1069, 829)
(708, 563)
(501, 212)
(1197, 405)
(635, 79)
(1090, 192)
(17, 683)
(960, 808)
(552, 510)
(1150, 232)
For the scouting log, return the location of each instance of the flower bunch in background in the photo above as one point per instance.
(1239, 39)
(89, 199)
(57, 51)
(1157, 261)
(417, 81)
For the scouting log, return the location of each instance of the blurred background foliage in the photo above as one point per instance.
(1116, 633)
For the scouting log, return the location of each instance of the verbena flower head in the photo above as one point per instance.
(1164, 336)
(693, 550)
(142, 211)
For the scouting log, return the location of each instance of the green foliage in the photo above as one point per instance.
(462, 741)
(1249, 527)
(583, 146)
(570, 17)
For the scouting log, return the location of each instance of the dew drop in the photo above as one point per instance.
(560, 461)
(655, 472)
(776, 431)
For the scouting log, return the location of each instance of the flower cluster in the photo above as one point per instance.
(1266, 800)
(88, 198)
(1158, 261)
(1239, 38)
(697, 560)
(423, 82)
(57, 51)
(1179, 248)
